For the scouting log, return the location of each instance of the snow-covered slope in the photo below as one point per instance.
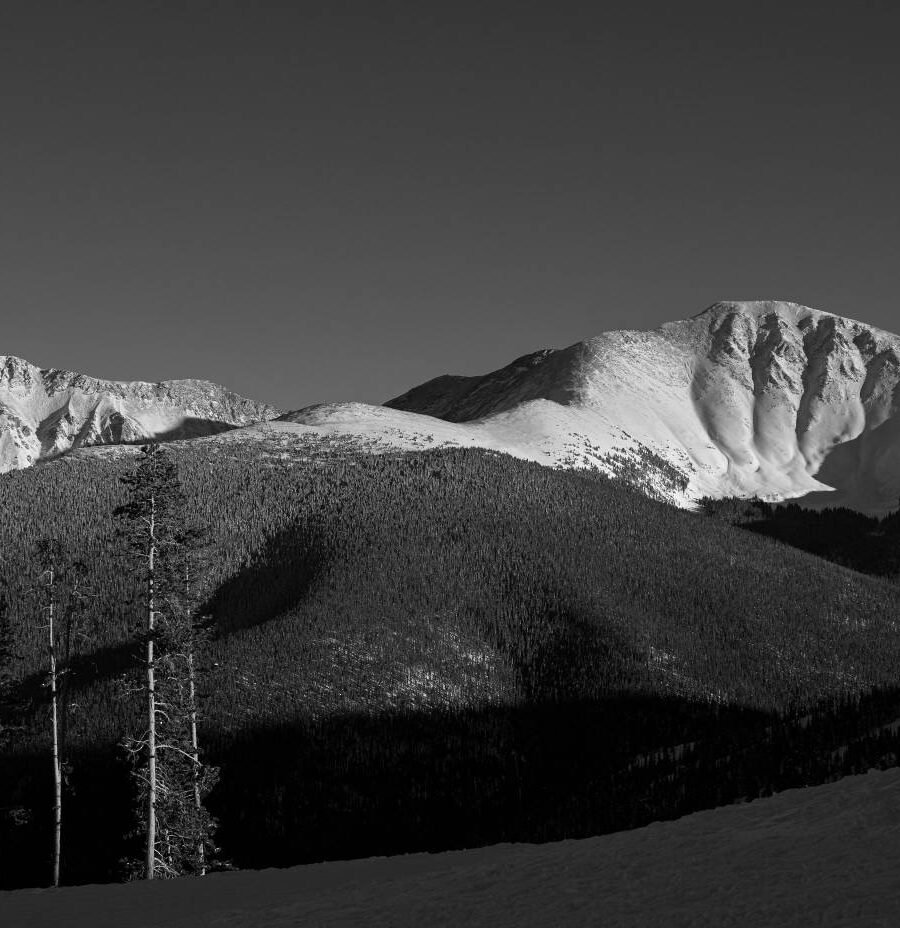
(766, 399)
(825, 856)
(44, 413)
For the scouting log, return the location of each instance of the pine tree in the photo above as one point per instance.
(172, 780)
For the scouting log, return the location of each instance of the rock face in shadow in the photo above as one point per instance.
(45, 413)
(764, 398)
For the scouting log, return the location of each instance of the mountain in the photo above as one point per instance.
(767, 399)
(44, 413)
(751, 399)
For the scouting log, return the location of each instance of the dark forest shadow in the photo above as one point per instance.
(361, 785)
(279, 576)
(81, 672)
(842, 536)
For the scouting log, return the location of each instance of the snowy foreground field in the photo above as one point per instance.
(825, 856)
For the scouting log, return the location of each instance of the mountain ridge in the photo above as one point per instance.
(747, 398)
(45, 412)
(761, 398)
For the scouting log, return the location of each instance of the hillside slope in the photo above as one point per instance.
(823, 856)
(445, 649)
(45, 413)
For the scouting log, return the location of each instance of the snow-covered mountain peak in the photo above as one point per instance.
(747, 398)
(17, 373)
(46, 412)
(768, 315)
(764, 397)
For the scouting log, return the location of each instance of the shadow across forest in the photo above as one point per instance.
(842, 536)
(385, 569)
(277, 578)
(361, 784)
(80, 672)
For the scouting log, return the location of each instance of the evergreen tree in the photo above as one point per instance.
(172, 780)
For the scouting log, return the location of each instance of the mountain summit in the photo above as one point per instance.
(763, 398)
(44, 413)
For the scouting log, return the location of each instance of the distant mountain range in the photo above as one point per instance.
(766, 398)
(45, 413)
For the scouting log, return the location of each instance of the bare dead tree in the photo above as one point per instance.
(196, 773)
(48, 558)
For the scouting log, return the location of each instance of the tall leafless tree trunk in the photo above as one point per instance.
(195, 754)
(151, 696)
(54, 712)
(192, 708)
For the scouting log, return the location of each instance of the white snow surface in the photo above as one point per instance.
(765, 398)
(827, 856)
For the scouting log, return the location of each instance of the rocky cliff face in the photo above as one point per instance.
(44, 413)
(756, 398)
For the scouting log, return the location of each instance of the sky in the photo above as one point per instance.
(320, 201)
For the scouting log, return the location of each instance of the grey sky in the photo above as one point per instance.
(319, 201)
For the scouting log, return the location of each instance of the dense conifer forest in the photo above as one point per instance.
(434, 650)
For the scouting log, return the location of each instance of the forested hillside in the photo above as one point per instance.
(441, 649)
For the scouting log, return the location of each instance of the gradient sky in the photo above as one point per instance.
(325, 201)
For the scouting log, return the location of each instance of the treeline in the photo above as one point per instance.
(452, 647)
